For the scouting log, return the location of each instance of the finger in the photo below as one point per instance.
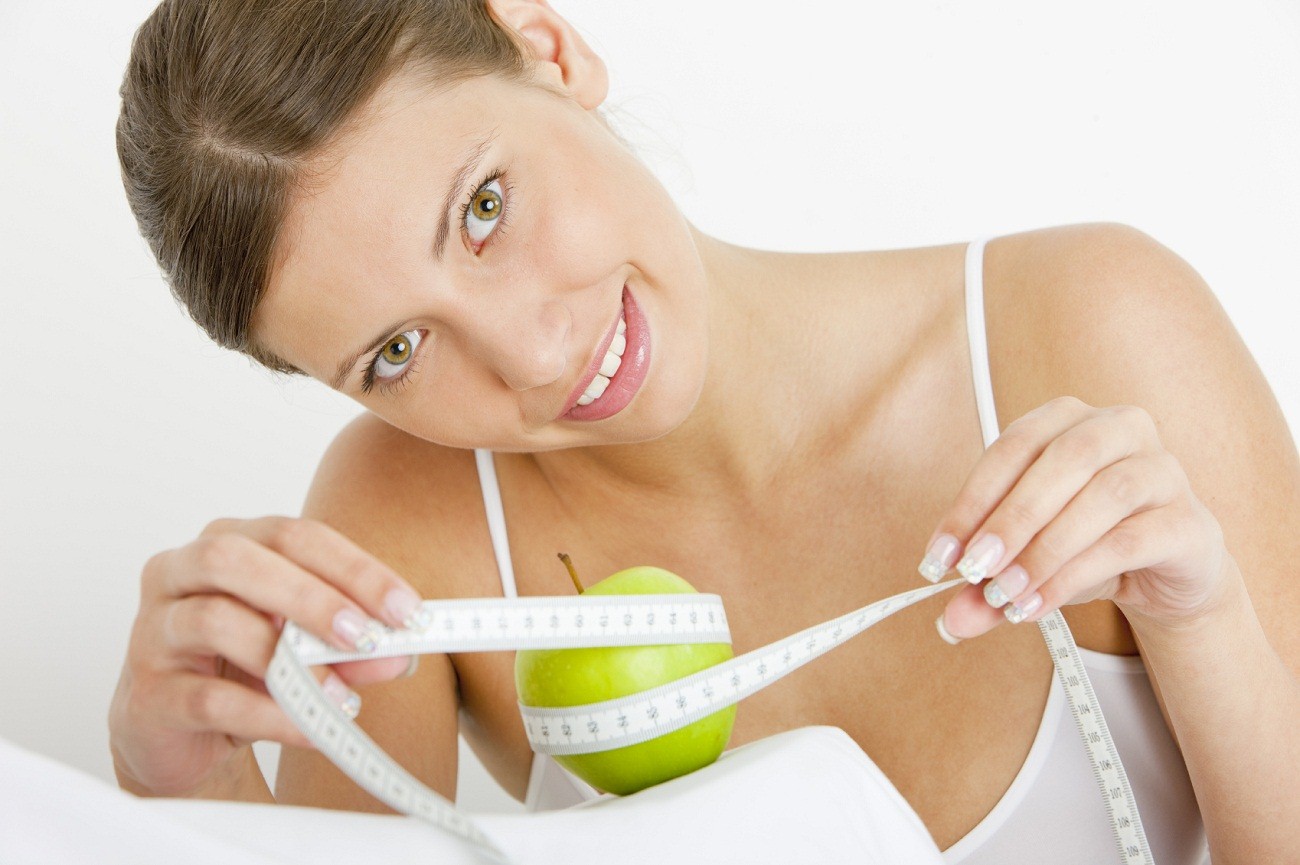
(203, 704)
(967, 615)
(219, 625)
(993, 477)
(1083, 526)
(374, 670)
(327, 552)
(1043, 491)
(1141, 541)
(1065, 467)
(1119, 491)
(237, 565)
(365, 672)
(239, 677)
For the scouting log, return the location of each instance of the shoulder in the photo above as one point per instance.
(1100, 311)
(406, 500)
(369, 443)
(1109, 315)
(1079, 291)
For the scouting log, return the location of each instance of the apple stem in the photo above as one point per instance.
(564, 557)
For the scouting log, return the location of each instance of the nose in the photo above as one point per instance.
(524, 342)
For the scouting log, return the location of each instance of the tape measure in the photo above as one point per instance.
(544, 622)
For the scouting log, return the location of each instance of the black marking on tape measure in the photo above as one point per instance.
(693, 697)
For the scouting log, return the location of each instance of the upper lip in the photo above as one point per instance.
(593, 365)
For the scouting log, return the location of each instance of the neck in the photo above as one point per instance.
(770, 398)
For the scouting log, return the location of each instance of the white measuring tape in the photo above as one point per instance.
(545, 622)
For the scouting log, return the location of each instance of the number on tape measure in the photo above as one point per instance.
(594, 621)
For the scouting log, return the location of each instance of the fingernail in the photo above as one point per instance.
(1007, 585)
(348, 701)
(355, 631)
(980, 558)
(410, 667)
(405, 609)
(943, 632)
(939, 558)
(1017, 613)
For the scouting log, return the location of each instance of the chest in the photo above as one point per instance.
(912, 702)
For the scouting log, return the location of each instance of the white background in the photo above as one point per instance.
(812, 126)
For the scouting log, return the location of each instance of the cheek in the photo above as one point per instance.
(577, 230)
(446, 402)
(593, 207)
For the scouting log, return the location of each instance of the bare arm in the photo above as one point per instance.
(414, 719)
(1235, 707)
(1131, 322)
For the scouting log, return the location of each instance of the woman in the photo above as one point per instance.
(421, 205)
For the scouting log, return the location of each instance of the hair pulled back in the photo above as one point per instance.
(224, 104)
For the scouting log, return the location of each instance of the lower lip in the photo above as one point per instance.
(631, 372)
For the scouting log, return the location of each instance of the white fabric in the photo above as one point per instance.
(1054, 796)
(550, 785)
(806, 795)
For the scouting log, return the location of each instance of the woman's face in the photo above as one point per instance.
(480, 341)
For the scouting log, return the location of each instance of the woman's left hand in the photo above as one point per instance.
(1073, 504)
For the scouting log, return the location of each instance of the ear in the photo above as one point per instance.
(562, 57)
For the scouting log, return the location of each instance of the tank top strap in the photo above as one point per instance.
(978, 340)
(496, 517)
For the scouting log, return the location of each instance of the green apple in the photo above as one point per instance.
(571, 677)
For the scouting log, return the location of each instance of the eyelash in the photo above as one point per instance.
(391, 385)
(501, 220)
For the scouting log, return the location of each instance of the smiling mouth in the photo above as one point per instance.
(613, 378)
(610, 364)
(597, 359)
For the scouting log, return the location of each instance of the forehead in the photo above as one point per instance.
(407, 122)
(365, 209)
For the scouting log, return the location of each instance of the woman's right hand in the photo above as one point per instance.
(191, 697)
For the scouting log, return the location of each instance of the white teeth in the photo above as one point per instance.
(597, 386)
(612, 361)
(594, 390)
(613, 356)
(609, 365)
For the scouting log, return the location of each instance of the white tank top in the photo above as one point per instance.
(1052, 812)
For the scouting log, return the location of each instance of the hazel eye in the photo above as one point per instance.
(483, 212)
(396, 354)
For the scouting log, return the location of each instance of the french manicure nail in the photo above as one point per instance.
(980, 557)
(341, 695)
(355, 631)
(1017, 613)
(943, 632)
(939, 558)
(1007, 585)
(405, 609)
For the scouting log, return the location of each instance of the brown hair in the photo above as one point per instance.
(224, 104)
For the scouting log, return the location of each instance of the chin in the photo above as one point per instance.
(670, 404)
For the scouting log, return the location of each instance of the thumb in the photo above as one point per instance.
(376, 670)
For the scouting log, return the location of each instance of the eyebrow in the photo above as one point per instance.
(458, 181)
(472, 160)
